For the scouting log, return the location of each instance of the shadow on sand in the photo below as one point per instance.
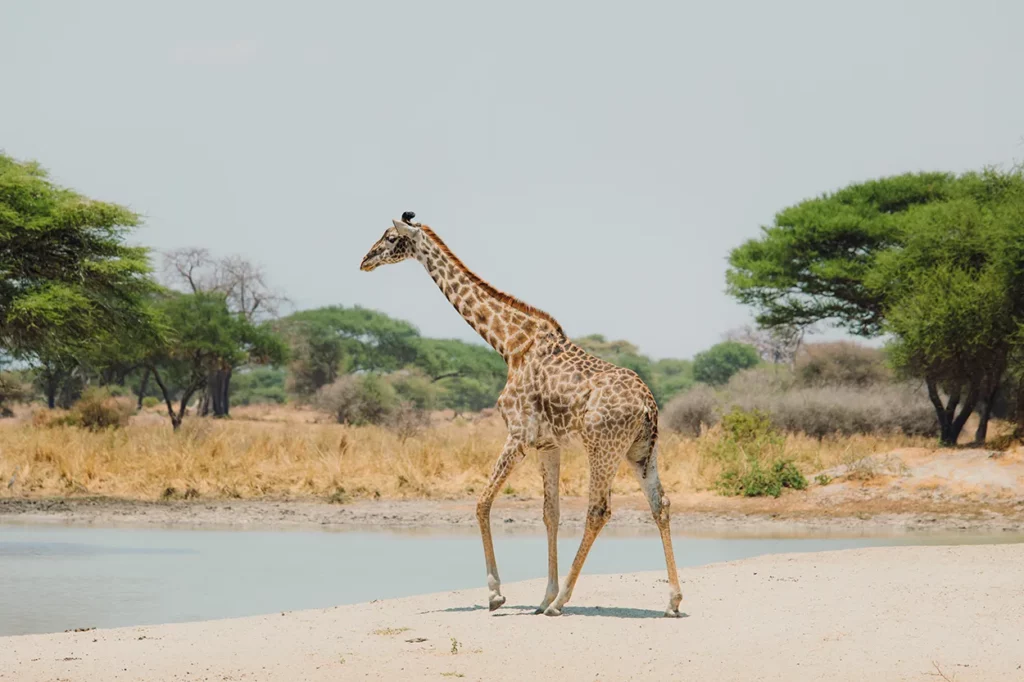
(601, 611)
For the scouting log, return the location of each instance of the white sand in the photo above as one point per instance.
(907, 613)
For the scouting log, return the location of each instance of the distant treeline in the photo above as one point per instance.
(932, 261)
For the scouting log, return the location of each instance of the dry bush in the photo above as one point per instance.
(96, 410)
(841, 363)
(818, 411)
(691, 412)
(407, 421)
(99, 409)
(358, 399)
(845, 411)
(763, 380)
(12, 390)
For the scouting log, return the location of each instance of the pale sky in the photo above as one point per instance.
(596, 159)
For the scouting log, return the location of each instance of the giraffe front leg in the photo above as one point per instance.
(550, 463)
(511, 456)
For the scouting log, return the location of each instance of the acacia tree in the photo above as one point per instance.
(931, 259)
(246, 292)
(201, 336)
(333, 340)
(67, 276)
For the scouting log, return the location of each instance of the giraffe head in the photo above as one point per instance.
(394, 246)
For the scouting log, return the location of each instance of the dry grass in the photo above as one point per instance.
(282, 454)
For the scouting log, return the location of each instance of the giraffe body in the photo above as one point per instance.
(555, 391)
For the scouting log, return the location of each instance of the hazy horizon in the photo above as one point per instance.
(596, 161)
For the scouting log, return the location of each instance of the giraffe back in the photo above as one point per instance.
(559, 390)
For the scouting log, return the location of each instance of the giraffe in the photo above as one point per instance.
(555, 391)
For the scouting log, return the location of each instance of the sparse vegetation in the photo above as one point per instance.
(839, 390)
(750, 454)
(390, 632)
(284, 455)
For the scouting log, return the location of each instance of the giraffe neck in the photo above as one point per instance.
(506, 323)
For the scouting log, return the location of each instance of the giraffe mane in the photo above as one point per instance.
(507, 299)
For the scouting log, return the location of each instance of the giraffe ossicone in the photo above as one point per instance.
(555, 391)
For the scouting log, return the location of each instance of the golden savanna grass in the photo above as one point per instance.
(280, 454)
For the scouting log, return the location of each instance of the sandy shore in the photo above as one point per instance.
(691, 515)
(906, 613)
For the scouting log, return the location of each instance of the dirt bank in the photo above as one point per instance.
(693, 514)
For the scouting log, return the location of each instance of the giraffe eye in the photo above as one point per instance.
(392, 238)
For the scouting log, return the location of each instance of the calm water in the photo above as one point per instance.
(53, 578)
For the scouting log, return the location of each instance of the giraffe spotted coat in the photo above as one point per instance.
(555, 391)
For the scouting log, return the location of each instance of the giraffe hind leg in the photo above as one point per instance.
(646, 471)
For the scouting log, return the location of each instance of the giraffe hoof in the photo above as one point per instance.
(496, 603)
(552, 611)
(672, 613)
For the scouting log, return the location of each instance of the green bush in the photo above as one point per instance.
(150, 401)
(751, 452)
(717, 364)
(258, 385)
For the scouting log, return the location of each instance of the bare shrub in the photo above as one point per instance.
(407, 421)
(12, 390)
(817, 411)
(358, 399)
(841, 363)
(820, 412)
(692, 411)
(764, 380)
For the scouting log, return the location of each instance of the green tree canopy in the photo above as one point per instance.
(66, 272)
(203, 335)
(933, 259)
(810, 265)
(334, 340)
(717, 364)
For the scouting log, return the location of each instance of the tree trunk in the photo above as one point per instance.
(185, 397)
(143, 383)
(203, 404)
(1018, 432)
(175, 418)
(950, 423)
(981, 433)
(219, 391)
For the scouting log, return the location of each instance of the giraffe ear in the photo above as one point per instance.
(403, 228)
